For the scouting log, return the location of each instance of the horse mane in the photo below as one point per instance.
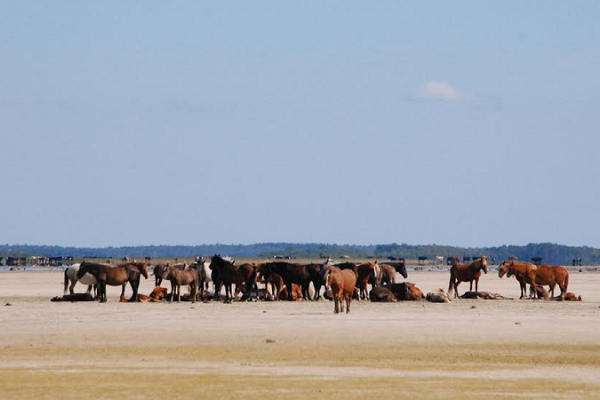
(478, 263)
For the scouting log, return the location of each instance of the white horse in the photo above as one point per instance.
(207, 269)
(71, 276)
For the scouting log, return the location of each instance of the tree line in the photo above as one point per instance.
(550, 252)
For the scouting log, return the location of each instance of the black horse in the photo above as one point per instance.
(292, 273)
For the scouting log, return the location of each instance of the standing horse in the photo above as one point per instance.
(87, 279)
(177, 278)
(226, 273)
(467, 273)
(290, 273)
(342, 283)
(364, 272)
(158, 272)
(545, 275)
(274, 280)
(118, 275)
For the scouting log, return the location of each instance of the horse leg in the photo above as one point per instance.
(135, 284)
(471, 286)
(456, 283)
(72, 286)
(89, 289)
(348, 301)
(178, 288)
(103, 292)
(476, 284)
(123, 290)
(317, 295)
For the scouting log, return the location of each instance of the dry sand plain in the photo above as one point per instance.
(466, 349)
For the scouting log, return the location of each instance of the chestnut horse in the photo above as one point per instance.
(117, 275)
(467, 273)
(189, 276)
(342, 283)
(364, 272)
(226, 273)
(545, 275)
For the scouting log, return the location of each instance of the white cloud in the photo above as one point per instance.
(441, 91)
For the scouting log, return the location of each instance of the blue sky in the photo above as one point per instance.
(462, 123)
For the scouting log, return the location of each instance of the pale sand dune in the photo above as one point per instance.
(502, 345)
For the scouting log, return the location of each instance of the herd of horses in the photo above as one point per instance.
(290, 281)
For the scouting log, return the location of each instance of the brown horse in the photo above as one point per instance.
(545, 275)
(342, 283)
(387, 275)
(275, 280)
(364, 272)
(177, 278)
(228, 274)
(117, 275)
(158, 272)
(467, 273)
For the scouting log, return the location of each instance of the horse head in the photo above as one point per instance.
(83, 269)
(505, 267)
(265, 270)
(401, 269)
(167, 272)
(143, 267)
(484, 261)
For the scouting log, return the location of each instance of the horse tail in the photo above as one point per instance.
(451, 285)
(566, 283)
(66, 281)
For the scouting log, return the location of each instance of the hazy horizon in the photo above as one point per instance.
(472, 124)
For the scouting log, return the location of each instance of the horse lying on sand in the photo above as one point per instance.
(74, 297)
(438, 296)
(406, 291)
(381, 294)
(484, 296)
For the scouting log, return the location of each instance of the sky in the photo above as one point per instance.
(469, 123)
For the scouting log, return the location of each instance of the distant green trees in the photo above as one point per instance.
(550, 252)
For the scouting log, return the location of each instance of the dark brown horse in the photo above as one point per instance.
(364, 272)
(178, 278)
(290, 273)
(158, 272)
(274, 280)
(467, 273)
(117, 275)
(227, 274)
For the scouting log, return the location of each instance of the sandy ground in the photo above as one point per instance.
(466, 349)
